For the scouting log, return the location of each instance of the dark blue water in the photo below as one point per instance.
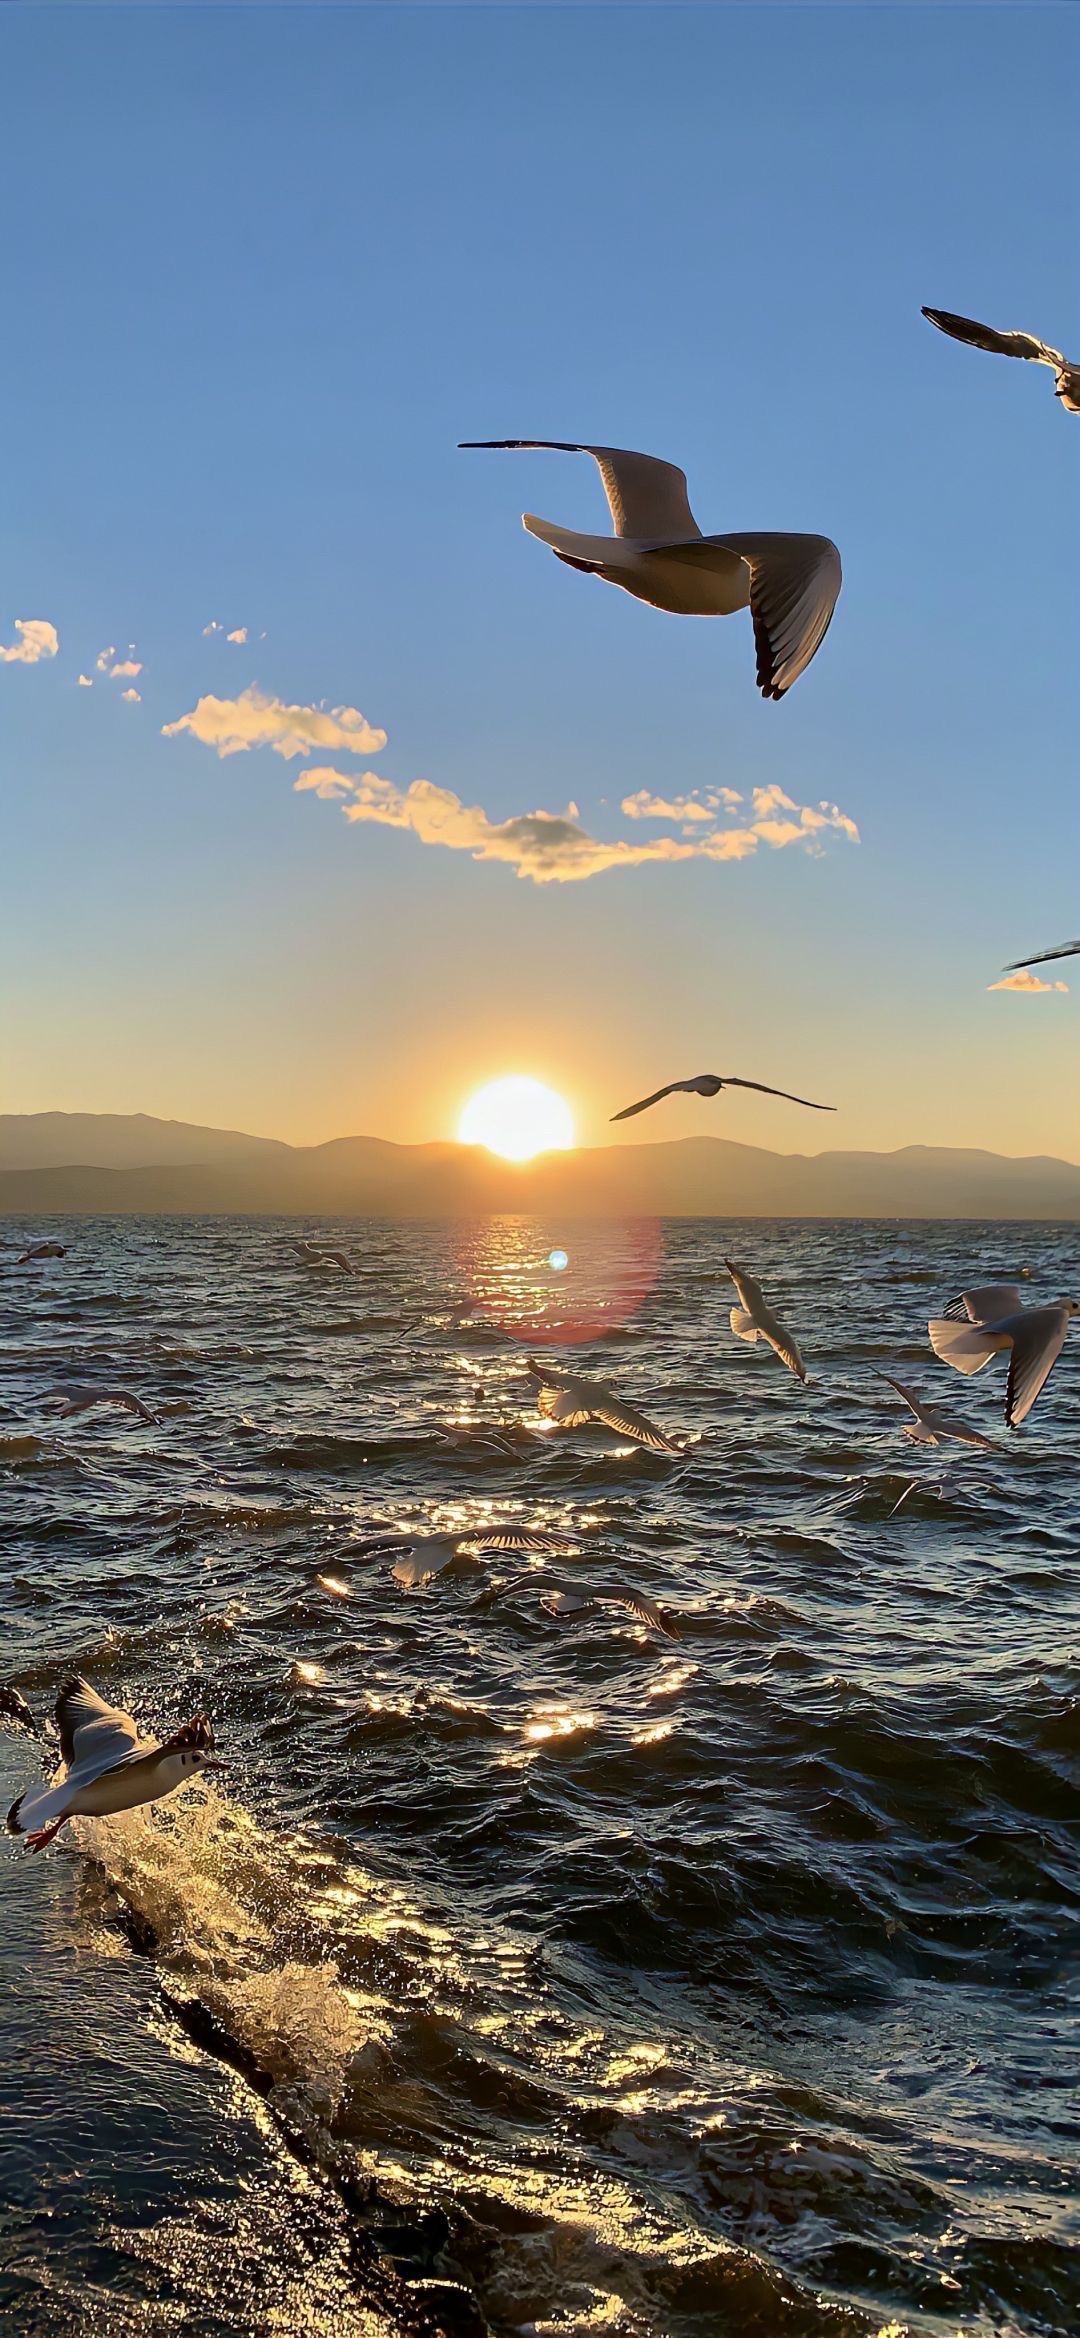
(725, 1984)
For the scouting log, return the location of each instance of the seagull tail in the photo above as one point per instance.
(37, 1806)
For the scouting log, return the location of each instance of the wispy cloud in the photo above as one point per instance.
(133, 697)
(37, 639)
(105, 659)
(1026, 981)
(213, 627)
(240, 634)
(549, 847)
(233, 725)
(702, 805)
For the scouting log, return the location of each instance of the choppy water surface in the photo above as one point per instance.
(718, 1985)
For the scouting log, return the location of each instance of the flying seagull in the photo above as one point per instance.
(82, 1400)
(568, 1603)
(1043, 957)
(42, 1250)
(316, 1254)
(107, 1767)
(658, 553)
(931, 1427)
(423, 1556)
(753, 1319)
(710, 1084)
(1066, 375)
(984, 1323)
(570, 1399)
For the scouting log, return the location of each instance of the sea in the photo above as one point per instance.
(530, 1971)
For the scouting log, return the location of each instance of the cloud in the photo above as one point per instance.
(546, 847)
(86, 682)
(123, 667)
(106, 658)
(133, 697)
(232, 725)
(1026, 981)
(700, 805)
(240, 634)
(213, 627)
(37, 639)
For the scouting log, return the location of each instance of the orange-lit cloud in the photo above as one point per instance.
(232, 725)
(37, 639)
(133, 697)
(1025, 980)
(86, 682)
(240, 634)
(552, 847)
(123, 667)
(702, 804)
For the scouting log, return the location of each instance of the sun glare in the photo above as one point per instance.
(517, 1118)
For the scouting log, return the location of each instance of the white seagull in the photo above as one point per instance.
(710, 1084)
(423, 1556)
(317, 1254)
(753, 1319)
(931, 1427)
(107, 1767)
(657, 552)
(42, 1250)
(1066, 374)
(82, 1400)
(984, 1323)
(570, 1399)
(571, 1603)
(1043, 957)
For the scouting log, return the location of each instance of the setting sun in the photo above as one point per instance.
(517, 1118)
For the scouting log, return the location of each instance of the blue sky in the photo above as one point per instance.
(263, 269)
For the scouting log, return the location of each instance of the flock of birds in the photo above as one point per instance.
(791, 584)
(108, 1766)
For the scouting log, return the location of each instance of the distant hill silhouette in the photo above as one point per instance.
(87, 1163)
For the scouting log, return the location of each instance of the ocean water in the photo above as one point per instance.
(661, 1987)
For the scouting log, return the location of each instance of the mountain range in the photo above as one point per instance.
(85, 1163)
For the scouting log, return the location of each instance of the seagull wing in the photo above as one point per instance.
(908, 1394)
(782, 1343)
(627, 1422)
(646, 497)
(1036, 1345)
(636, 1604)
(989, 1304)
(1043, 957)
(674, 1088)
(729, 1081)
(94, 1736)
(750, 1292)
(984, 337)
(518, 1538)
(967, 1346)
(794, 587)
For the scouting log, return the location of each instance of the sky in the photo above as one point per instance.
(263, 269)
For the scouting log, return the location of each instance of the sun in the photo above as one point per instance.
(517, 1118)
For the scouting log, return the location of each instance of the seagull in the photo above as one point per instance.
(1067, 375)
(980, 1324)
(107, 1767)
(753, 1319)
(1043, 957)
(42, 1250)
(931, 1427)
(426, 1555)
(570, 1603)
(949, 1484)
(710, 1084)
(14, 1706)
(314, 1254)
(569, 1399)
(658, 553)
(81, 1400)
